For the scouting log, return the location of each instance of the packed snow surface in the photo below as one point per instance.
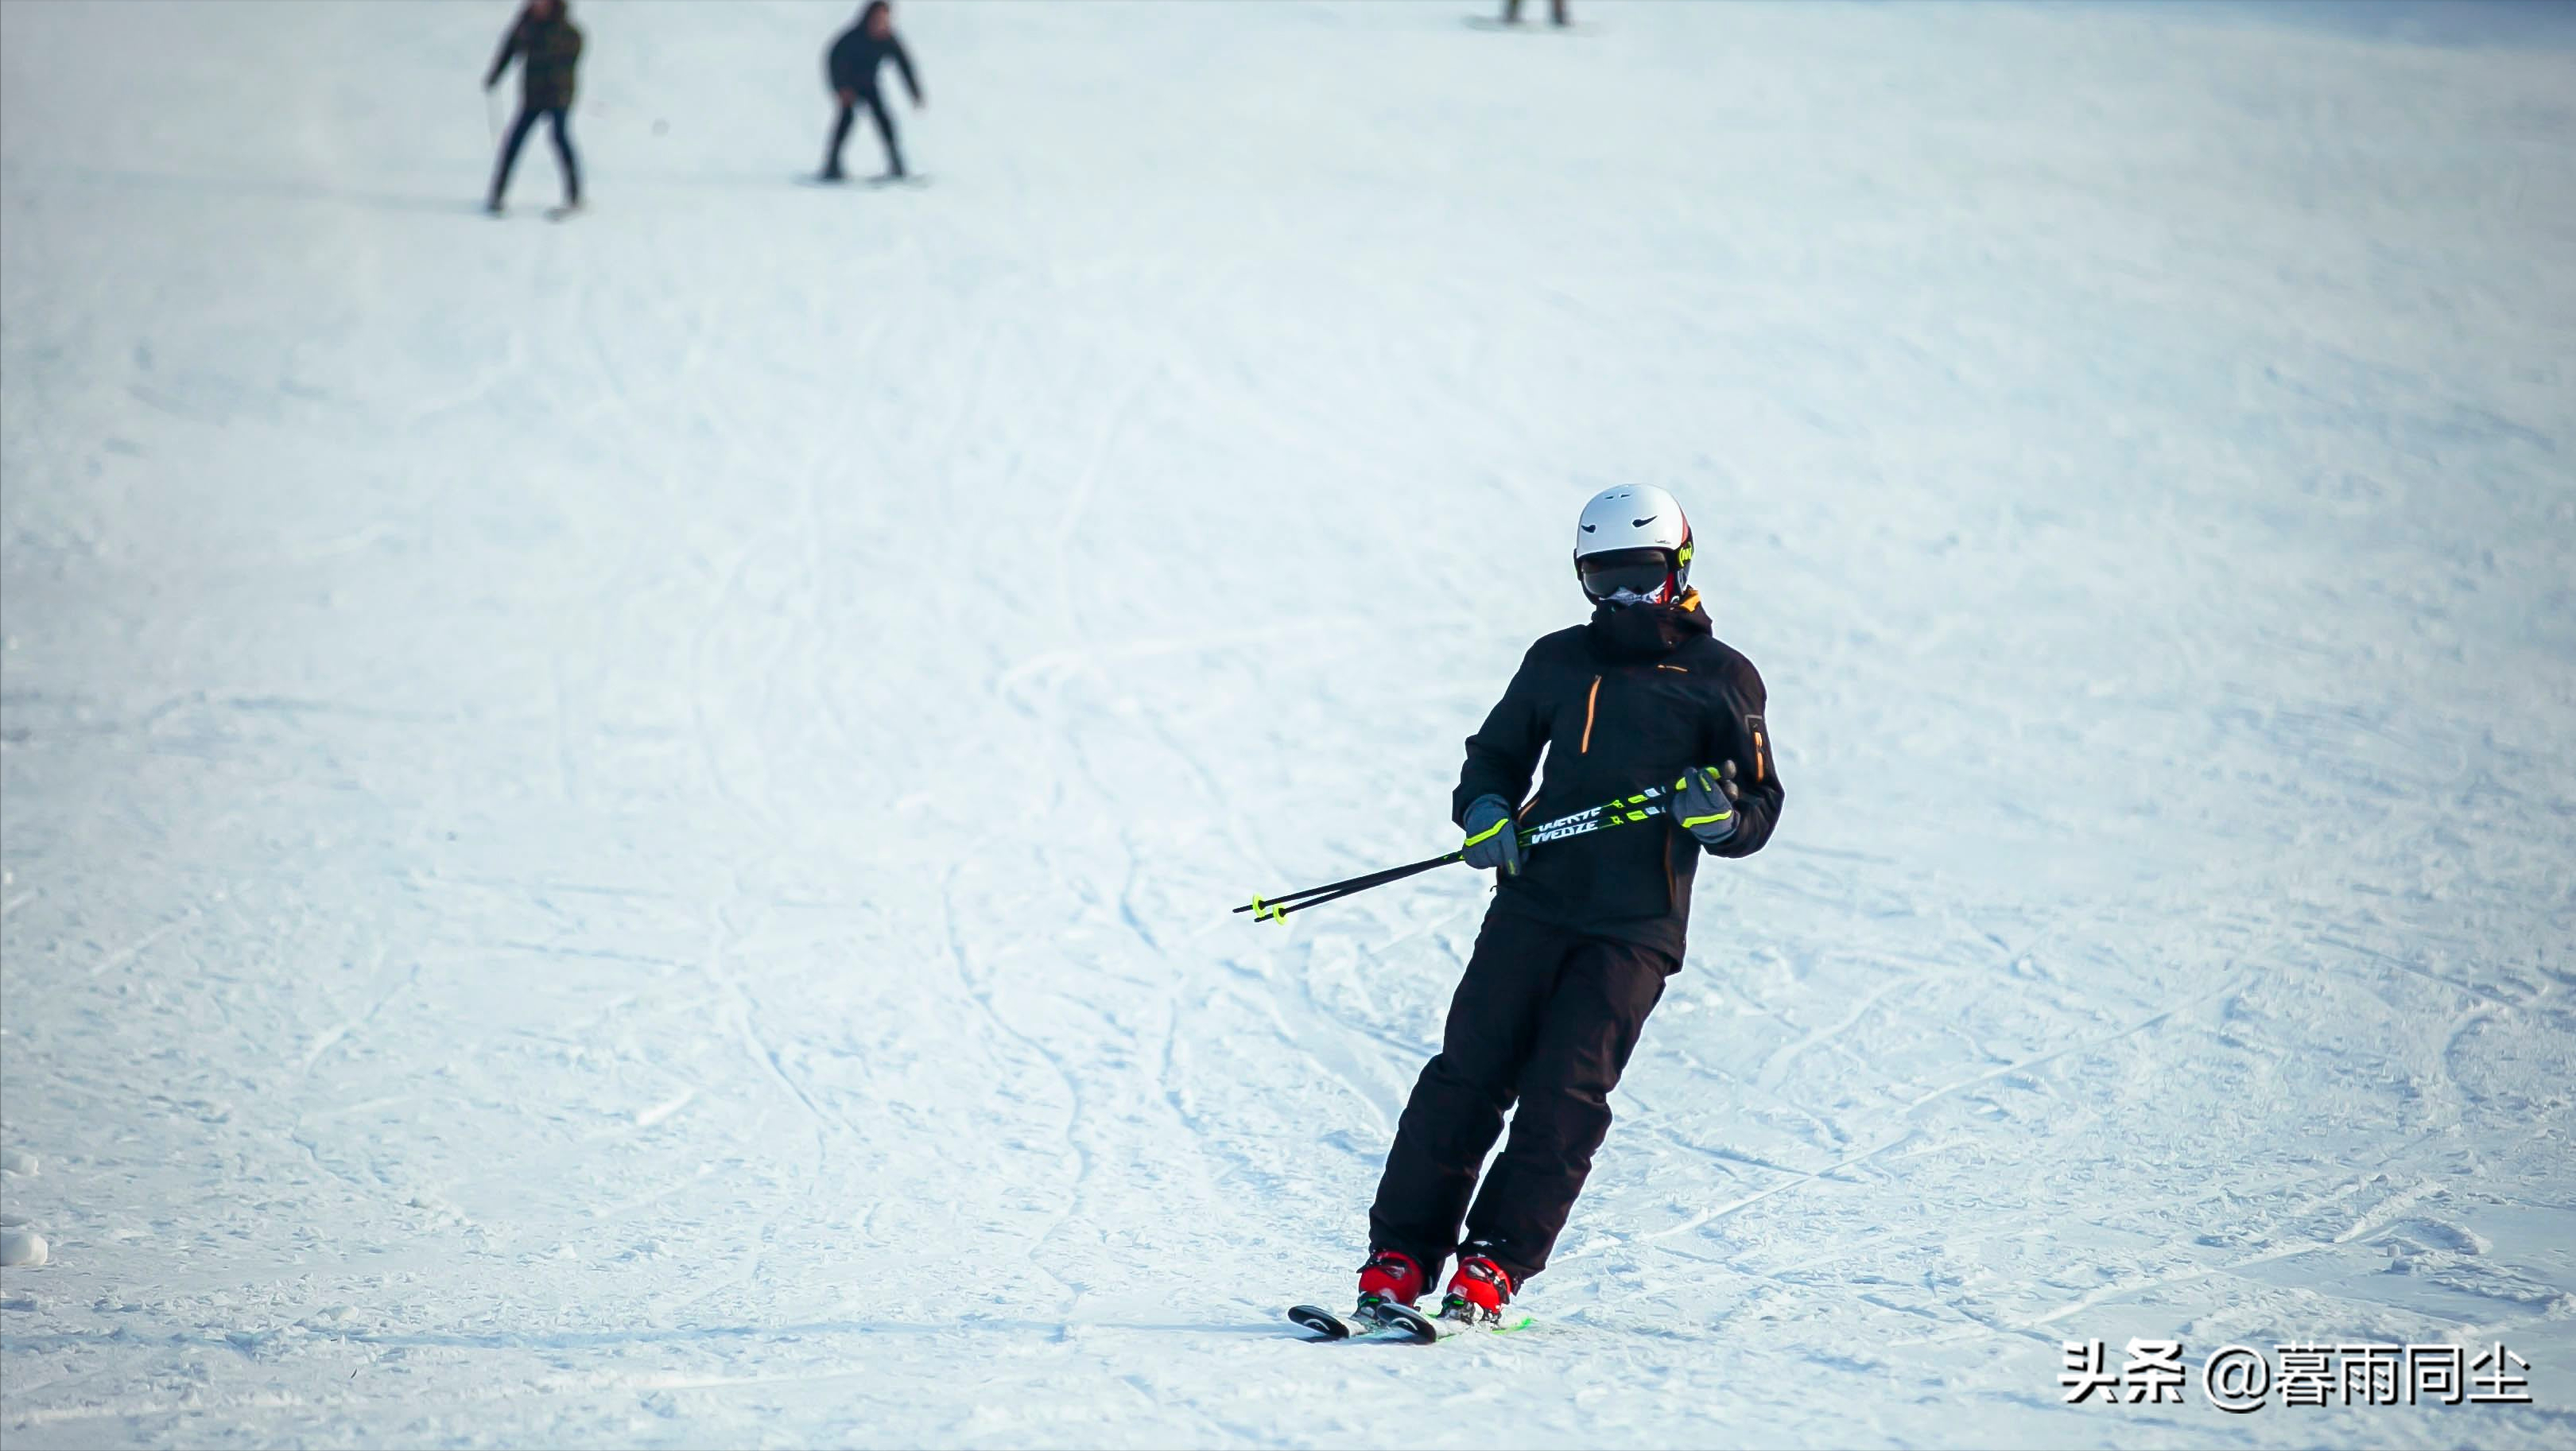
(620, 832)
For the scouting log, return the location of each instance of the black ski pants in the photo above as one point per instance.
(875, 106)
(519, 129)
(1544, 1016)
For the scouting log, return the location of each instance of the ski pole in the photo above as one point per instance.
(1318, 896)
(1598, 818)
(1591, 818)
(1608, 814)
(1270, 906)
(1594, 818)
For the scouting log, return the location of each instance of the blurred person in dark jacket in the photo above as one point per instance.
(547, 47)
(852, 70)
(1555, 12)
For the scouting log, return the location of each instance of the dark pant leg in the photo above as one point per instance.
(510, 151)
(1456, 1111)
(885, 133)
(1585, 1034)
(562, 134)
(840, 138)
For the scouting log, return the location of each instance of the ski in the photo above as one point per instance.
(1430, 1328)
(1371, 1321)
(1449, 1327)
(1412, 1324)
(1401, 1324)
(1325, 1324)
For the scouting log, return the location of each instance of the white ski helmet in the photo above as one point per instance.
(1633, 545)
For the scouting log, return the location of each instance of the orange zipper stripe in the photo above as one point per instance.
(1590, 703)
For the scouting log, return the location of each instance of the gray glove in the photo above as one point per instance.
(1703, 803)
(1493, 838)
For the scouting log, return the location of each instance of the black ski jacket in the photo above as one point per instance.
(856, 56)
(547, 51)
(1632, 699)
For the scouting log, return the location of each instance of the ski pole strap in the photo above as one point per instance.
(1621, 812)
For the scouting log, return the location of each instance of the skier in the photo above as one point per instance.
(547, 47)
(852, 71)
(1582, 932)
(1555, 12)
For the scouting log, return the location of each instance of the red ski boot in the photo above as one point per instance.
(1389, 1278)
(1478, 1291)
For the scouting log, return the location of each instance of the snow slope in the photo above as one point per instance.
(619, 833)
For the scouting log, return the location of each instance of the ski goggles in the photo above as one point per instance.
(1644, 573)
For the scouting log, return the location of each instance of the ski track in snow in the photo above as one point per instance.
(621, 833)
